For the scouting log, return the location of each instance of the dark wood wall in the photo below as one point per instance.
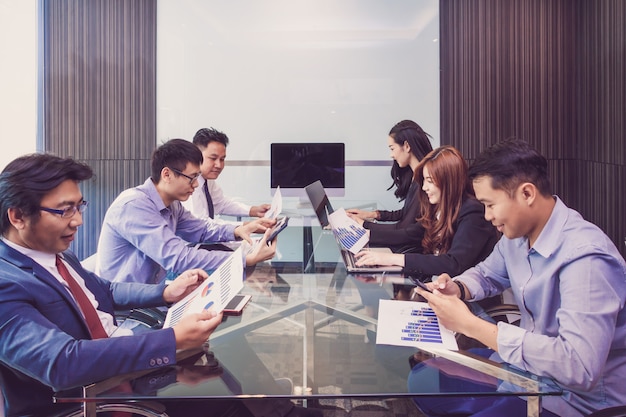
(549, 72)
(99, 96)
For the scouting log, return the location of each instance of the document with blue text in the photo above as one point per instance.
(411, 323)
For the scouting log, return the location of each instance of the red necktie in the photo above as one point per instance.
(91, 316)
(93, 321)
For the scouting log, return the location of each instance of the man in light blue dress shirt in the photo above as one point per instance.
(568, 279)
(146, 231)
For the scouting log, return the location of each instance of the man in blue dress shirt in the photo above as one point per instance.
(146, 231)
(569, 282)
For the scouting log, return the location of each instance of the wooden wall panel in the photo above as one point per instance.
(505, 65)
(601, 114)
(99, 96)
(549, 72)
(601, 98)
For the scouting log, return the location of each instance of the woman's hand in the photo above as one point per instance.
(368, 257)
(361, 214)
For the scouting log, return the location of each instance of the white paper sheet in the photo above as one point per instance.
(411, 323)
(214, 293)
(276, 205)
(350, 234)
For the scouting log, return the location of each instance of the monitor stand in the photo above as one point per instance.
(304, 202)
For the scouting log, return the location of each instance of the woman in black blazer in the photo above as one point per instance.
(451, 228)
(408, 144)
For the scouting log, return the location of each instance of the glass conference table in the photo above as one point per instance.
(311, 338)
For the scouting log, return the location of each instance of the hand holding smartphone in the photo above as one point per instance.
(280, 225)
(421, 285)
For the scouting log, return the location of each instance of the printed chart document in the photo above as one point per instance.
(351, 235)
(410, 323)
(215, 292)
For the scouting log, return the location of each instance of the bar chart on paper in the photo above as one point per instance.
(350, 235)
(409, 323)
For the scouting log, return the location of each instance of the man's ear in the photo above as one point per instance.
(17, 218)
(528, 192)
(166, 174)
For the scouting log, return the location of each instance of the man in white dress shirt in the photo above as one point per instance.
(208, 200)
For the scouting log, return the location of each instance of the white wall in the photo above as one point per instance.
(18, 78)
(298, 71)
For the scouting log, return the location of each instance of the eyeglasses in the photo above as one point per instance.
(67, 212)
(191, 179)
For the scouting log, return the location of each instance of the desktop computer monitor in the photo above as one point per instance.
(293, 166)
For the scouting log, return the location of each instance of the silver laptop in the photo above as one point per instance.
(323, 208)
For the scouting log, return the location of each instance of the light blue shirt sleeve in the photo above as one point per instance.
(141, 239)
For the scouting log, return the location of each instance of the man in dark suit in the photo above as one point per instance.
(49, 339)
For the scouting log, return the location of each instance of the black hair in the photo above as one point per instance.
(205, 136)
(410, 132)
(26, 180)
(511, 163)
(176, 154)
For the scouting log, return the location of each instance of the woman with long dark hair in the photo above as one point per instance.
(450, 226)
(408, 144)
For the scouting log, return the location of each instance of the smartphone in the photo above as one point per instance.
(421, 285)
(280, 225)
(236, 305)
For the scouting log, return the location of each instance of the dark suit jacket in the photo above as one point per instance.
(45, 344)
(474, 239)
(401, 235)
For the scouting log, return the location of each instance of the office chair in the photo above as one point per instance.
(143, 409)
(140, 319)
(144, 318)
(508, 313)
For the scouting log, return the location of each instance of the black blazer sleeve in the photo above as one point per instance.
(405, 231)
(403, 217)
(399, 239)
(473, 240)
(391, 215)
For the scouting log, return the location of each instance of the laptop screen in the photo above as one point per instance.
(319, 201)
